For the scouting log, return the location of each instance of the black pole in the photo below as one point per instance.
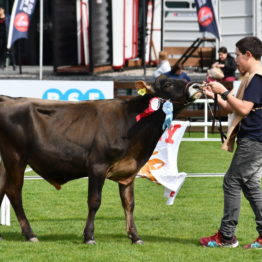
(19, 57)
(144, 35)
(90, 32)
(162, 23)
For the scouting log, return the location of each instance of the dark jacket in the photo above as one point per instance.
(230, 66)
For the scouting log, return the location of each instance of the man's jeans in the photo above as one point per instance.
(243, 174)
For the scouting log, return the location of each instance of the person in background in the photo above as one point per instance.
(227, 65)
(177, 73)
(4, 52)
(163, 66)
(245, 170)
(3, 37)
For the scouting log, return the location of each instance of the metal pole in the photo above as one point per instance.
(144, 36)
(41, 29)
(19, 56)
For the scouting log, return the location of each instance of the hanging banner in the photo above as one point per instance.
(162, 165)
(206, 17)
(20, 20)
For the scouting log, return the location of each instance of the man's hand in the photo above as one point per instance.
(217, 87)
(207, 90)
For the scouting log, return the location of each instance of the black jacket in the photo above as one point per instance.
(230, 66)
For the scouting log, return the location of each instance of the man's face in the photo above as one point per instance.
(241, 61)
(2, 11)
(222, 56)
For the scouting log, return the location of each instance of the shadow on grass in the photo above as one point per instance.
(100, 238)
(148, 239)
(18, 237)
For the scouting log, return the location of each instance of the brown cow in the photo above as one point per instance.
(63, 141)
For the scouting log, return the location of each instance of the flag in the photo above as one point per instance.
(161, 168)
(206, 17)
(20, 20)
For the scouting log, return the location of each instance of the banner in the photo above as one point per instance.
(58, 90)
(20, 20)
(162, 166)
(206, 17)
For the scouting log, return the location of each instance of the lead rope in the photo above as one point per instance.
(213, 114)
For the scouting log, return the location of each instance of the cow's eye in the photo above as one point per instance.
(167, 85)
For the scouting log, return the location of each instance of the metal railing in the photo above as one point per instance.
(205, 123)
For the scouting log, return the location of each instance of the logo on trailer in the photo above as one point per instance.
(73, 95)
(205, 16)
(21, 22)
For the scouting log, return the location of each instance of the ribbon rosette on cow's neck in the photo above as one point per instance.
(154, 104)
(168, 110)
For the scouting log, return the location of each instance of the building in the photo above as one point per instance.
(115, 33)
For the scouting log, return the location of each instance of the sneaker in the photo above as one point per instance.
(256, 244)
(217, 240)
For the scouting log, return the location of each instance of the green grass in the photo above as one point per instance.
(203, 157)
(170, 233)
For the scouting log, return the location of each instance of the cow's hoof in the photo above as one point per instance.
(33, 240)
(139, 242)
(90, 242)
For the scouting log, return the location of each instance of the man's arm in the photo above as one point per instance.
(231, 104)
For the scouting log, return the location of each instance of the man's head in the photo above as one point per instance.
(176, 69)
(251, 44)
(248, 51)
(2, 11)
(222, 53)
(163, 55)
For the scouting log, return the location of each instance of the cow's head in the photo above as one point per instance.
(178, 92)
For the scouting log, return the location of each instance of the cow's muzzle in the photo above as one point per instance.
(194, 91)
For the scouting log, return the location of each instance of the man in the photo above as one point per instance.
(226, 64)
(177, 73)
(163, 66)
(245, 170)
(3, 37)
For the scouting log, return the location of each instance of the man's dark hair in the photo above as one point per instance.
(223, 50)
(175, 68)
(251, 44)
(2, 6)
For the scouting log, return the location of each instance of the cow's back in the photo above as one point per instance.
(62, 139)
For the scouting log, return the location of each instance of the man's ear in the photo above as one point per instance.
(143, 88)
(248, 54)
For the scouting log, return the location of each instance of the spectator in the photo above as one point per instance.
(3, 37)
(177, 73)
(4, 52)
(224, 68)
(163, 66)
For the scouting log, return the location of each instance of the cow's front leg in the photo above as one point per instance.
(95, 185)
(128, 203)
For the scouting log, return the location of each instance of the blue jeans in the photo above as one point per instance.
(244, 174)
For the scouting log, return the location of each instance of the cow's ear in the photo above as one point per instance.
(143, 88)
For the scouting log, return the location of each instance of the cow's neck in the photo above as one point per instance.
(145, 133)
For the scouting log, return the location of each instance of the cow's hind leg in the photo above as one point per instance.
(128, 203)
(13, 189)
(95, 185)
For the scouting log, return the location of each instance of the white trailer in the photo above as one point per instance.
(236, 19)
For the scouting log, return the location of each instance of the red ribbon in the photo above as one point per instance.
(148, 111)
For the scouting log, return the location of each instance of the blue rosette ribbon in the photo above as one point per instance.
(168, 110)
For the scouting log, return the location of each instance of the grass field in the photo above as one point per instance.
(170, 233)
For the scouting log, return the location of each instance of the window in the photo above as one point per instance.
(177, 4)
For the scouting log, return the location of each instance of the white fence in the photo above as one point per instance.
(205, 123)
